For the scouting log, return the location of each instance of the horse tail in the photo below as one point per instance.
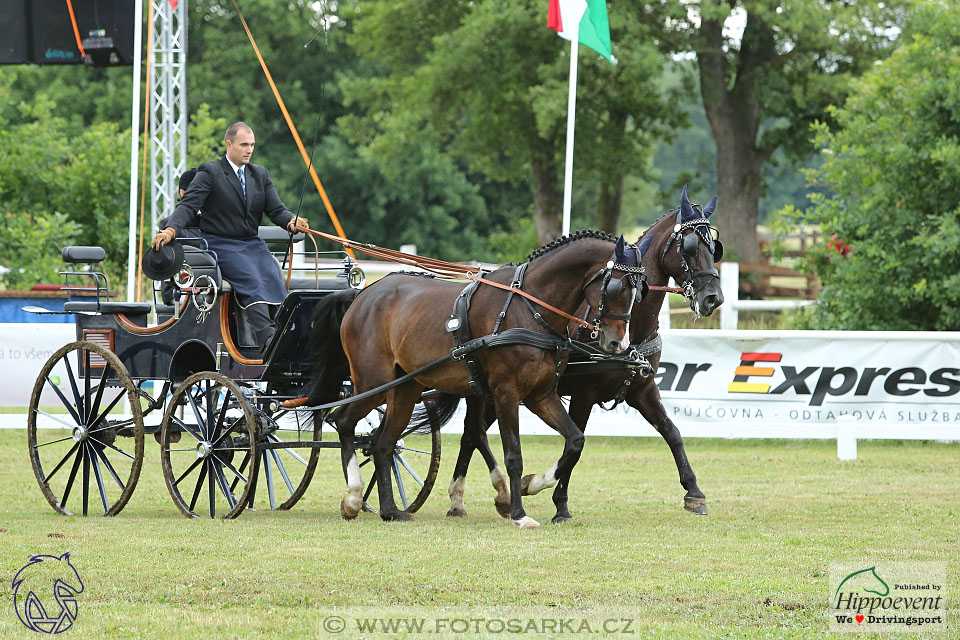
(330, 364)
(434, 412)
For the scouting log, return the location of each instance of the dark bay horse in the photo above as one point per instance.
(397, 325)
(681, 245)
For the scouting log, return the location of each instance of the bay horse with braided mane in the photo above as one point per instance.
(681, 244)
(397, 325)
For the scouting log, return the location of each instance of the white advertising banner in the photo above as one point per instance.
(713, 383)
(24, 349)
(774, 383)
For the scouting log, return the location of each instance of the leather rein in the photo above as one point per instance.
(441, 267)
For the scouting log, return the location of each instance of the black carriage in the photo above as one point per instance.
(185, 371)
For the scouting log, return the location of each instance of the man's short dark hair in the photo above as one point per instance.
(234, 129)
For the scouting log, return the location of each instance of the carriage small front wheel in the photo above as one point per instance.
(208, 447)
(85, 449)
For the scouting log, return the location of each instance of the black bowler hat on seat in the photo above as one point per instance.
(163, 264)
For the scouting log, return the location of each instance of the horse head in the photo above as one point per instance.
(610, 293)
(696, 248)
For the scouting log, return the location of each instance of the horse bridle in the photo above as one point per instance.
(613, 288)
(687, 246)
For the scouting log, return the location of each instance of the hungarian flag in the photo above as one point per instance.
(594, 31)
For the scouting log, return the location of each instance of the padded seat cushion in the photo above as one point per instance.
(126, 308)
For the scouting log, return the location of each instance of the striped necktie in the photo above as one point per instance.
(243, 183)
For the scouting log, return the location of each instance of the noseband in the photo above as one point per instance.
(686, 249)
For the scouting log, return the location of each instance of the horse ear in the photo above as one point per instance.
(645, 244)
(708, 210)
(686, 209)
(620, 250)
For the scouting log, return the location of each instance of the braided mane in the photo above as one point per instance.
(573, 237)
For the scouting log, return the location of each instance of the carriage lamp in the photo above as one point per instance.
(357, 277)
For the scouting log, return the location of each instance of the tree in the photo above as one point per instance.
(486, 82)
(762, 91)
(893, 261)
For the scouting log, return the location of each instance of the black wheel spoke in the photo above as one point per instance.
(196, 491)
(86, 480)
(222, 482)
(409, 469)
(216, 435)
(106, 463)
(399, 481)
(103, 414)
(73, 385)
(120, 451)
(273, 438)
(95, 405)
(229, 466)
(60, 464)
(185, 474)
(282, 470)
(212, 493)
(196, 413)
(43, 444)
(96, 474)
(373, 481)
(268, 474)
(86, 385)
(183, 425)
(73, 475)
(63, 399)
(243, 465)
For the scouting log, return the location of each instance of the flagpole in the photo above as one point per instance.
(134, 147)
(571, 127)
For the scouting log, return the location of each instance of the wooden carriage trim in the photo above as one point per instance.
(133, 327)
(225, 332)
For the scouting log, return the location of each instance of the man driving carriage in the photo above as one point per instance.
(227, 199)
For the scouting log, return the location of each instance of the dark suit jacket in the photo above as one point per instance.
(216, 192)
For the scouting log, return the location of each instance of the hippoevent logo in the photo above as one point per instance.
(757, 373)
(891, 597)
(45, 593)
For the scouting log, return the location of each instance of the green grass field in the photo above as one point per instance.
(781, 512)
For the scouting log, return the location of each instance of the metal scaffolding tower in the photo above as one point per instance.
(168, 106)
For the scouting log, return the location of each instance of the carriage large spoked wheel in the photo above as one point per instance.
(85, 451)
(216, 445)
(415, 463)
(285, 473)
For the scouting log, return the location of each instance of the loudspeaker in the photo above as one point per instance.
(105, 28)
(14, 48)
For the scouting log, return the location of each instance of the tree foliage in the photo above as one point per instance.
(486, 83)
(763, 86)
(894, 164)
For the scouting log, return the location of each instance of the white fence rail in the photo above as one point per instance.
(733, 305)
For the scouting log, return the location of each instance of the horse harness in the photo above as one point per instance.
(687, 246)
(458, 324)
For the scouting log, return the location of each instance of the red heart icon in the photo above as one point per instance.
(859, 619)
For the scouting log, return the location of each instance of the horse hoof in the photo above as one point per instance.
(526, 522)
(345, 513)
(525, 484)
(503, 508)
(697, 506)
(457, 513)
(557, 519)
(397, 516)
